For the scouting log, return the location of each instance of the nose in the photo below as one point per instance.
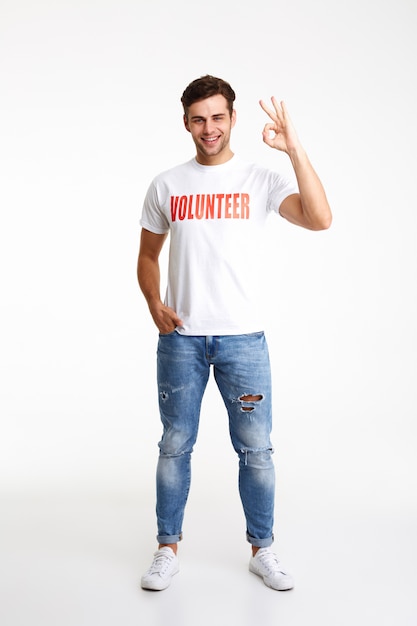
(208, 127)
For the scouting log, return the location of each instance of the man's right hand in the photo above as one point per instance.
(165, 318)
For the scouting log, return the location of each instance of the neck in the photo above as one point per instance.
(216, 159)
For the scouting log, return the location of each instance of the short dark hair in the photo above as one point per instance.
(205, 87)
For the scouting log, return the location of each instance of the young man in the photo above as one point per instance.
(215, 208)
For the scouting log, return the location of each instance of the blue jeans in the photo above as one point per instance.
(241, 369)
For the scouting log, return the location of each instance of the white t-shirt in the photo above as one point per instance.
(215, 215)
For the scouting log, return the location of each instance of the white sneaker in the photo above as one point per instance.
(266, 565)
(164, 566)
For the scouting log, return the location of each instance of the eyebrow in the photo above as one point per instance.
(201, 117)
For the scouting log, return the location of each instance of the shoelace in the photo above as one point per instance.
(271, 562)
(160, 563)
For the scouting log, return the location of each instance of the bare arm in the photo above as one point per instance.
(151, 244)
(310, 207)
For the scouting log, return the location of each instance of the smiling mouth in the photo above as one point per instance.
(210, 139)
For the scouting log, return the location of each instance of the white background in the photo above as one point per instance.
(90, 112)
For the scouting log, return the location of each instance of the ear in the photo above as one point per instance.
(233, 118)
(186, 123)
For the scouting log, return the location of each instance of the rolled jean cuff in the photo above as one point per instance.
(167, 539)
(260, 543)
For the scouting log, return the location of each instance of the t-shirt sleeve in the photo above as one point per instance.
(153, 217)
(279, 189)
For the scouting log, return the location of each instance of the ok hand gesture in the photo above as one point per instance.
(280, 133)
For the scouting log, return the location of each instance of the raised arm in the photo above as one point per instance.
(150, 248)
(310, 207)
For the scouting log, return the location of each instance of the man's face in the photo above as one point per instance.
(210, 123)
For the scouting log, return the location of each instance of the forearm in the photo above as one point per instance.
(164, 317)
(316, 212)
(149, 280)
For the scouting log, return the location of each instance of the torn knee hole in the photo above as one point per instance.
(250, 398)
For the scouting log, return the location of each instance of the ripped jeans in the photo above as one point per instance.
(242, 373)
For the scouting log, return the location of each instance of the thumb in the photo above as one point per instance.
(176, 320)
